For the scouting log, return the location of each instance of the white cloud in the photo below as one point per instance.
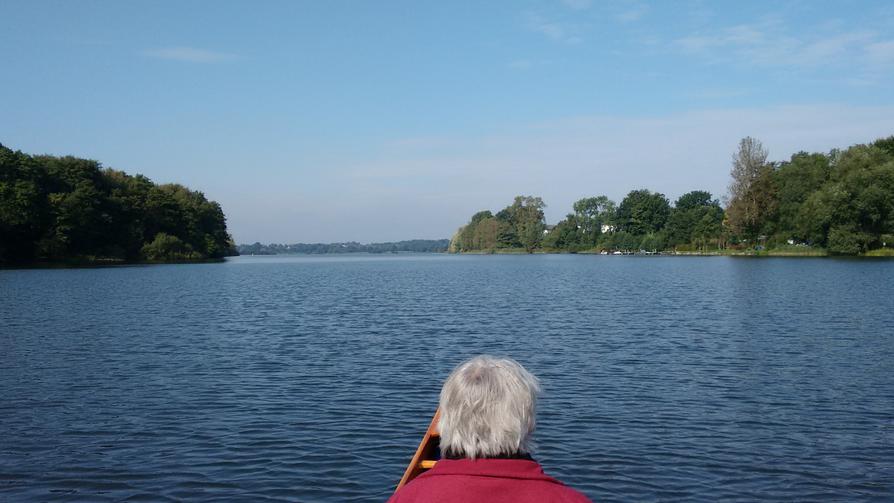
(735, 37)
(189, 54)
(574, 157)
(634, 13)
(770, 44)
(551, 29)
(429, 186)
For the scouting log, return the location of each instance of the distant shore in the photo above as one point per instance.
(413, 245)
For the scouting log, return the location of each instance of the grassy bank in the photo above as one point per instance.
(783, 251)
(881, 252)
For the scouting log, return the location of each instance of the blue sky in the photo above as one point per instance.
(375, 121)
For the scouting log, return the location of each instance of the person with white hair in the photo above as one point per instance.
(488, 407)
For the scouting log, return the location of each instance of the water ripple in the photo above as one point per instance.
(312, 379)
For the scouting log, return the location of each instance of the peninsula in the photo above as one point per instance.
(71, 210)
(836, 203)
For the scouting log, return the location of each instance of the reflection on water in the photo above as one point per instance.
(313, 378)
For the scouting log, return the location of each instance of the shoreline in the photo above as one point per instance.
(101, 263)
(819, 253)
(885, 253)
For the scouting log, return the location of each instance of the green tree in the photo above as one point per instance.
(695, 218)
(860, 196)
(487, 233)
(653, 242)
(61, 208)
(23, 205)
(709, 227)
(565, 235)
(525, 223)
(886, 145)
(796, 180)
(695, 199)
(473, 236)
(168, 248)
(642, 212)
(623, 241)
(590, 214)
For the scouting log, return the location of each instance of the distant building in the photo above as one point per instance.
(548, 229)
(607, 228)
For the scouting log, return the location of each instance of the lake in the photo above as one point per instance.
(293, 378)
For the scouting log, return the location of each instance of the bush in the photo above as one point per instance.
(623, 241)
(844, 241)
(167, 247)
(654, 241)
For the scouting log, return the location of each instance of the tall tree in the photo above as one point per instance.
(529, 221)
(749, 190)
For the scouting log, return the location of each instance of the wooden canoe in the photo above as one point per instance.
(427, 454)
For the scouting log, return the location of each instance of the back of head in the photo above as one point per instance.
(488, 408)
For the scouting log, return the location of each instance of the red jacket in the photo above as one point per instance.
(487, 481)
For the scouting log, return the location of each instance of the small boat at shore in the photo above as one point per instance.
(427, 454)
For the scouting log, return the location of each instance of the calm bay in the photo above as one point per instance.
(312, 378)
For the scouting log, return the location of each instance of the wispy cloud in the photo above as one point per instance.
(189, 54)
(554, 30)
(632, 14)
(429, 185)
(741, 36)
(578, 4)
(601, 154)
(769, 44)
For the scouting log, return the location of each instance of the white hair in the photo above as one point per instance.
(488, 408)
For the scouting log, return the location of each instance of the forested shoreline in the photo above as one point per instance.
(413, 246)
(839, 203)
(72, 210)
(67, 209)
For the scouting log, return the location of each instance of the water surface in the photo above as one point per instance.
(313, 378)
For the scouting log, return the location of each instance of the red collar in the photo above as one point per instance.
(502, 468)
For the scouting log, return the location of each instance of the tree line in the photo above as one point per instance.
(413, 245)
(58, 209)
(841, 202)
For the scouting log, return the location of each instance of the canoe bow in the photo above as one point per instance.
(427, 454)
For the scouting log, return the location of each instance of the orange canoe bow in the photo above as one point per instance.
(427, 454)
